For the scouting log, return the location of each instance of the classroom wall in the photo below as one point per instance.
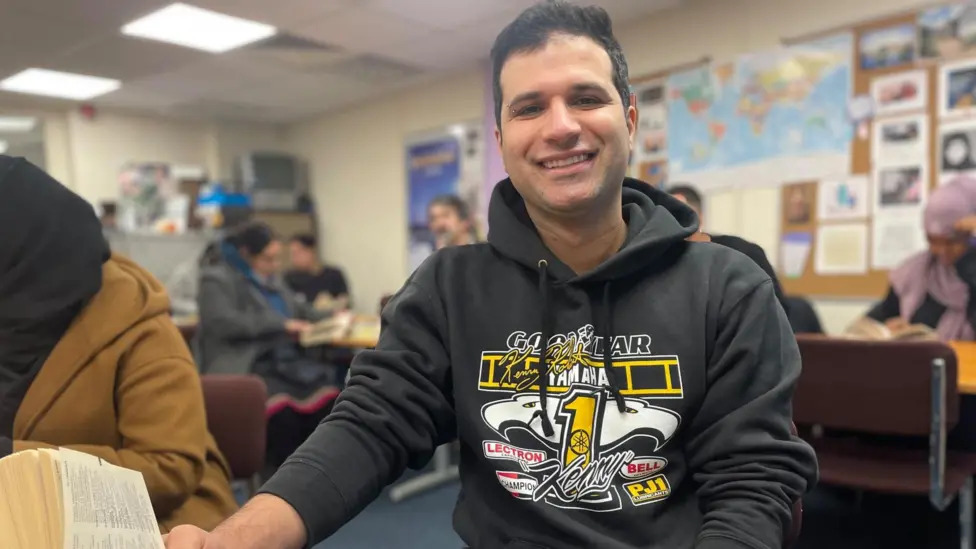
(230, 140)
(356, 164)
(86, 155)
(100, 147)
(356, 156)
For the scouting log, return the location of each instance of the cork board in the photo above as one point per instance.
(874, 283)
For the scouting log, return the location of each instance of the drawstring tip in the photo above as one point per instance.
(621, 405)
(546, 424)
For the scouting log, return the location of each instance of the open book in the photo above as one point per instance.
(342, 326)
(868, 328)
(63, 499)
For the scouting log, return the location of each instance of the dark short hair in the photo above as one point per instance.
(532, 28)
(690, 193)
(306, 239)
(253, 237)
(452, 201)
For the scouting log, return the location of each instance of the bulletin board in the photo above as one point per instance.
(822, 271)
(874, 282)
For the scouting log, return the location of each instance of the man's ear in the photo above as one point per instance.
(498, 138)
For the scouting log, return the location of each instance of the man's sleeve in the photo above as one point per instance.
(748, 467)
(395, 410)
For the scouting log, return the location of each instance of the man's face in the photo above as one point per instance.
(564, 137)
(445, 223)
(300, 257)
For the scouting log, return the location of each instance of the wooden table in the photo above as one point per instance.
(966, 357)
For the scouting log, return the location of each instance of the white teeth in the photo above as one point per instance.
(566, 161)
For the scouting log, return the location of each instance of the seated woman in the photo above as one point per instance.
(89, 359)
(249, 323)
(935, 287)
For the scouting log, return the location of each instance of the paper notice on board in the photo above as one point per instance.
(895, 239)
(794, 251)
(842, 249)
(897, 141)
(843, 198)
(105, 506)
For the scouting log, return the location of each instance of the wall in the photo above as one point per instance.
(86, 155)
(229, 140)
(357, 163)
(100, 147)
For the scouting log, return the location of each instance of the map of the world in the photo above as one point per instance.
(785, 103)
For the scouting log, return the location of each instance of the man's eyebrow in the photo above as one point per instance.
(527, 96)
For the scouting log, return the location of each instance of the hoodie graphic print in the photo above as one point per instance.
(596, 458)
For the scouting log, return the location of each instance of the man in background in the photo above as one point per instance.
(322, 286)
(690, 196)
(449, 220)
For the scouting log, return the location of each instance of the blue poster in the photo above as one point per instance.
(433, 169)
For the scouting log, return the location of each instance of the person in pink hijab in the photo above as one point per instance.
(935, 287)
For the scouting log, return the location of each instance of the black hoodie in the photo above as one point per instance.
(677, 438)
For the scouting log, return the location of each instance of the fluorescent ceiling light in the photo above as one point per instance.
(198, 28)
(13, 124)
(59, 84)
(3, 147)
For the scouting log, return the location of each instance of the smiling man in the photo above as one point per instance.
(612, 385)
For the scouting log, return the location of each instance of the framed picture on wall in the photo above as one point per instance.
(957, 89)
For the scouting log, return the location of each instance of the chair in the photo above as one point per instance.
(884, 409)
(235, 416)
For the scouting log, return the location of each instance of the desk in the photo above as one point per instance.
(966, 359)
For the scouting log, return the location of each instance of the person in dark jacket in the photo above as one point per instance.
(612, 385)
(249, 323)
(690, 196)
(935, 287)
(322, 286)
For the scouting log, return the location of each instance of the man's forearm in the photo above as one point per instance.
(266, 522)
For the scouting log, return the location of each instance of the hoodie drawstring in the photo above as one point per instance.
(608, 368)
(544, 350)
(546, 333)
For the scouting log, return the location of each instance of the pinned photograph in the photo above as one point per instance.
(887, 47)
(798, 202)
(900, 186)
(957, 150)
(900, 140)
(900, 93)
(947, 31)
(957, 88)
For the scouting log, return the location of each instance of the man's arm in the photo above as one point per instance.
(748, 467)
(395, 410)
(266, 522)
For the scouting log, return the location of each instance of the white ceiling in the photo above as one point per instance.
(328, 53)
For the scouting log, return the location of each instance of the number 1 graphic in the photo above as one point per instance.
(581, 409)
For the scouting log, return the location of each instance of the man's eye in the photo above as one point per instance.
(589, 101)
(528, 110)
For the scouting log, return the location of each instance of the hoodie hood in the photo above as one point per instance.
(51, 256)
(656, 221)
(130, 295)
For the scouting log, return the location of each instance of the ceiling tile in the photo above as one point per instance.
(103, 14)
(121, 57)
(362, 30)
(136, 97)
(441, 51)
(448, 14)
(33, 38)
(284, 14)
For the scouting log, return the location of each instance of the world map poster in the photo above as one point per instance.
(766, 106)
